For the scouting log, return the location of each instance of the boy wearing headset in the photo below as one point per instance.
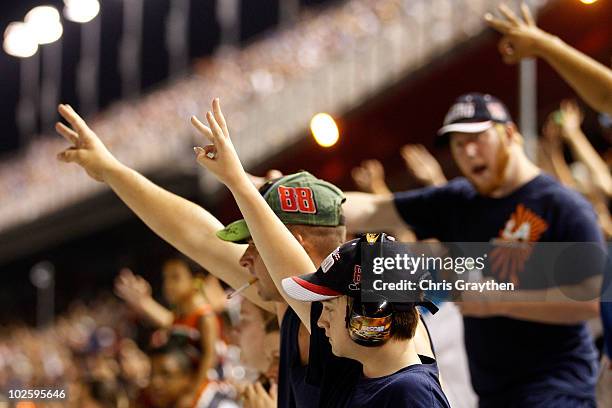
(370, 359)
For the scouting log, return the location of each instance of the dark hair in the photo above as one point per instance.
(178, 346)
(403, 324)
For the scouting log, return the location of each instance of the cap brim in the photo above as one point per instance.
(473, 127)
(468, 127)
(237, 232)
(306, 288)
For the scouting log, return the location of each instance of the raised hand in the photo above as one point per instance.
(551, 135)
(131, 288)
(370, 177)
(255, 396)
(572, 118)
(220, 156)
(87, 149)
(521, 36)
(422, 165)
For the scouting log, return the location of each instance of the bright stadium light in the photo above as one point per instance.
(19, 40)
(45, 24)
(324, 129)
(81, 11)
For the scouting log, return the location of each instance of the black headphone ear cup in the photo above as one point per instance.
(369, 324)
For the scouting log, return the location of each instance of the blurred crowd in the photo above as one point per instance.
(90, 352)
(138, 353)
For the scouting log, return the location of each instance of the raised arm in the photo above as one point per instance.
(523, 39)
(185, 225)
(136, 292)
(279, 249)
(209, 329)
(552, 153)
(370, 177)
(582, 149)
(422, 165)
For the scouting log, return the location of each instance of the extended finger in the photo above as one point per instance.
(415, 157)
(358, 176)
(68, 133)
(249, 393)
(527, 14)
(274, 390)
(77, 123)
(125, 275)
(259, 388)
(411, 159)
(570, 105)
(509, 14)
(498, 24)
(214, 126)
(423, 151)
(126, 271)
(407, 151)
(372, 165)
(219, 116)
(419, 153)
(203, 129)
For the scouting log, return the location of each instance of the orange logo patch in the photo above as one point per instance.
(508, 260)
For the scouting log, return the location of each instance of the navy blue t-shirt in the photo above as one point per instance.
(606, 317)
(512, 358)
(293, 391)
(343, 384)
(606, 309)
(412, 386)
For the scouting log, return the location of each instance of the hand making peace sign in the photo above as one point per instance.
(220, 157)
(87, 149)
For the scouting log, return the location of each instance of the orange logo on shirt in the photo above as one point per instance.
(508, 260)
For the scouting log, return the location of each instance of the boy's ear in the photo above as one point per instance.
(299, 238)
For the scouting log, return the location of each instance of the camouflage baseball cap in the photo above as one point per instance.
(297, 199)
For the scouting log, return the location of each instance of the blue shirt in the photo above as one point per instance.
(606, 317)
(293, 391)
(606, 309)
(413, 386)
(509, 358)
